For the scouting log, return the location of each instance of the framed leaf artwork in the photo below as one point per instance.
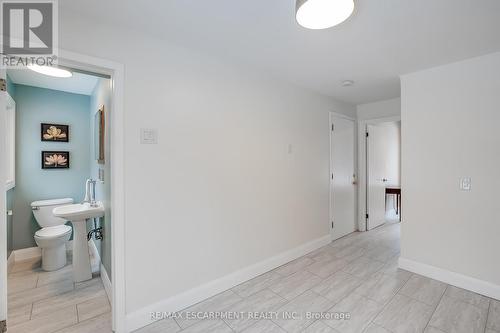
(55, 159)
(55, 132)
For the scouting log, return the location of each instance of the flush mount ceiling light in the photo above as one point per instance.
(322, 14)
(347, 83)
(50, 71)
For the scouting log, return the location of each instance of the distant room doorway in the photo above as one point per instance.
(383, 172)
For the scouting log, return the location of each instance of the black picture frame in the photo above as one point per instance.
(55, 160)
(54, 132)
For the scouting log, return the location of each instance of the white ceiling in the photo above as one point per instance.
(77, 84)
(383, 39)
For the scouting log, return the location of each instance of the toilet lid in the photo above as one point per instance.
(50, 232)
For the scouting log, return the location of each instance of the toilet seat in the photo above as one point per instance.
(53, 232)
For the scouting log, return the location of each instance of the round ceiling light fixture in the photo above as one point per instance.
(50, 71)
(347, 83)
(322, 14)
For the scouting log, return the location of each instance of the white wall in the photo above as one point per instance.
(380, 109)
(219, 192)
(371, 113)
(450, 121)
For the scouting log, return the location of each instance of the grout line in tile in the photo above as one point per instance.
(487, 315)
(435, 308)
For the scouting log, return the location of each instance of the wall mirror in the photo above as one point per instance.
(99, 127)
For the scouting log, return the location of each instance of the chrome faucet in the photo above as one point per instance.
(90, 192)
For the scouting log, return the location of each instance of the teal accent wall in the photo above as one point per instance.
(33, 107)
(11, 87)
(102, 96)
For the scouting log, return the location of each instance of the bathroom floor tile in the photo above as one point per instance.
(75, 297)
(22, 282)
(50, 322)
(93, 307)
(32, 295)
(65, 273)
(101, 324)
(19, 315)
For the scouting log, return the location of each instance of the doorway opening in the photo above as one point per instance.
(383, 173)
(90, 147)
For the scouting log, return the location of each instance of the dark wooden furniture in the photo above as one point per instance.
(396, 191)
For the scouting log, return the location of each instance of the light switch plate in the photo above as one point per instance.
(149, 136)
(465, 184)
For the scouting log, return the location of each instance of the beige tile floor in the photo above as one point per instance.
(45, 302)
(356, 274)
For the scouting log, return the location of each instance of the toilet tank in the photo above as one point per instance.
(43, 211)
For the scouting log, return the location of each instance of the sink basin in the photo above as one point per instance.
(78, 212)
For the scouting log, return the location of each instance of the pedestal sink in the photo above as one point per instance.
(78, 214)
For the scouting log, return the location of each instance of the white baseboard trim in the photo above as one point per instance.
(458, 280)
(142, 317)
(107, 283)
(27, 254)
(11, 261)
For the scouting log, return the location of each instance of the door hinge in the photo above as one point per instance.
(367, 216)
(367, 135)
(332, 224)
(332, 175)
(3, 85)
(333, 127)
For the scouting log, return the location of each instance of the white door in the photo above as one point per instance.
(3, 215)
(376, 174)
(342, 185)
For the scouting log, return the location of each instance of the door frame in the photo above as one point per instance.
(363, 169)
(116, 71)
(332, 116)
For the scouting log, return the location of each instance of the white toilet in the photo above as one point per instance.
(54, 234)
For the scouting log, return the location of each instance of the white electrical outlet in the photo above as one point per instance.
(149, 136)
(465, 184)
